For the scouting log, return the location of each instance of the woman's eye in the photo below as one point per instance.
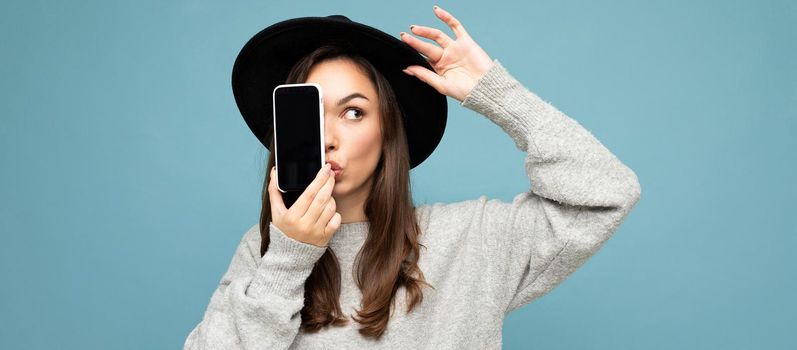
(357, 110)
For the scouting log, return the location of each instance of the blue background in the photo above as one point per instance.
(128, 175)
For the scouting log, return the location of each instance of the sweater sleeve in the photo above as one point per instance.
(579, 194)
(258, 301)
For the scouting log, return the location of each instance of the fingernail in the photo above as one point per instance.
(412, 27)
(436, 7)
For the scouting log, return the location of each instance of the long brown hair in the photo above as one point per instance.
(389, 256)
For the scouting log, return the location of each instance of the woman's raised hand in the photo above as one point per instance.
(458, 64)
(312, 218)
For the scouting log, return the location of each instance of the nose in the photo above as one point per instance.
(330, 137)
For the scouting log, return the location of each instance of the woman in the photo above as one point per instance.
(342, 267)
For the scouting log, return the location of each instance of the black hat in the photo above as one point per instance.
(266, 59)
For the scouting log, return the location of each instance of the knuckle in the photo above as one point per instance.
(326, 193)
(311, 192)
(319, 198)
(320, 202)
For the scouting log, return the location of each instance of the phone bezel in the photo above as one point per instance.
(320, 119)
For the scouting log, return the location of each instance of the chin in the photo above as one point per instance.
(338, 190)
(341, 189)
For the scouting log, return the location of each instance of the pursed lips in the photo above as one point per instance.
(335, 168)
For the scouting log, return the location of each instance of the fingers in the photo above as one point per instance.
(333, 225)
(432, 52)
(304, 200)
(429, 77)
(452, 22)
(327, 214)
(432, 33)
(435, 34)
(320, 201)
(274, 194)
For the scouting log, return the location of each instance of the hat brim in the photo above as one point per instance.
(266, 59)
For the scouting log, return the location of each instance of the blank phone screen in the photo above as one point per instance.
(298, 153)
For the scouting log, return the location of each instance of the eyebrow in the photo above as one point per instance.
(350, 97)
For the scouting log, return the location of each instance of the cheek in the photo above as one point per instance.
(364, 149)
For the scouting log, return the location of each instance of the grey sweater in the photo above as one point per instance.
(485, 257)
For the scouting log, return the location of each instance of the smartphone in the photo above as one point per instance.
(298, 134)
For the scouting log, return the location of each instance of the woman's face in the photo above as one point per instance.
(351, 124)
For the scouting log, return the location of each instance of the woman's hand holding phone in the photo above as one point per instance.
(312, 218)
